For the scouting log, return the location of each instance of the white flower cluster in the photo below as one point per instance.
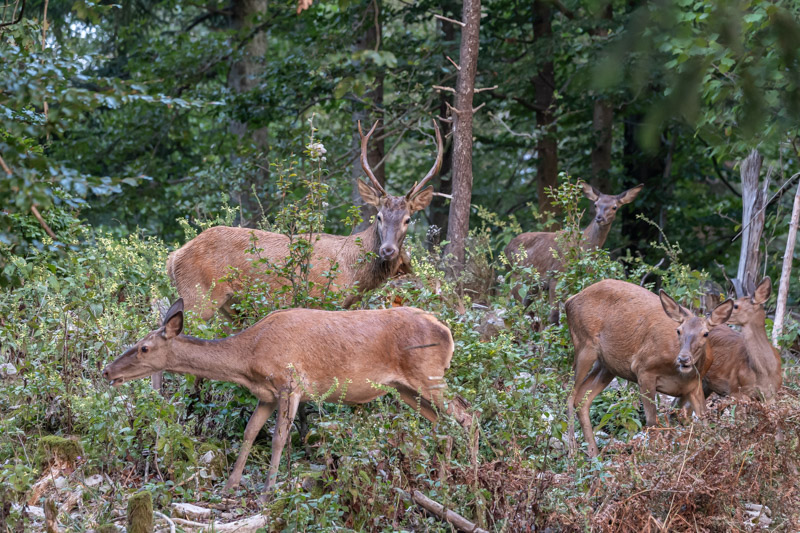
(316, 151)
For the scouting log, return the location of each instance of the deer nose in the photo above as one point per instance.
(684, 360)
(105, 373)
(388, 251)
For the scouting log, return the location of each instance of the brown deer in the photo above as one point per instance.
(745, 364)
(535, 248)
(198, 266)
(623, 330)
(296, 355)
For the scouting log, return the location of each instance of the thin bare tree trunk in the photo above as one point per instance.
(544, 85)
(368, 38)
(753, 203)
(786, 271)
(243, 77)
(458, 222)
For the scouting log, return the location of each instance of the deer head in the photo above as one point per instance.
(606, 205)
(150, 354)
(747, 308)
(693, 330)
(394, 212)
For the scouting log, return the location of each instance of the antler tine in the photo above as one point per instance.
(436, 165)
(365, 160)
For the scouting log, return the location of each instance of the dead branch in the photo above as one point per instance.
(453, 62)
(492, 88)
(43, 223)
(786, 270)
(440, 512)
(441, 88)
(452, 21)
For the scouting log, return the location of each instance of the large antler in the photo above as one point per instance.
(365, 160)
(436, 165)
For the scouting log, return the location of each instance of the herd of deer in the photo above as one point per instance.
(296, 355)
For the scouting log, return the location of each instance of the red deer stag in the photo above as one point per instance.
(745, 364)
(295, 355)
(196, 268)
(535, 248)
(623, 330)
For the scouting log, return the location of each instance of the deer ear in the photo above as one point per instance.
(672, 308)
(368, 194)
(630, 195)
(763, 291)
(421, 201)
(590, 192)
(173, 321)
(721, 313)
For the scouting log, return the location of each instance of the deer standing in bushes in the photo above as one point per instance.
(535, 248)
(198, 266)
(296, 355)
(745, 363)
(623, 330)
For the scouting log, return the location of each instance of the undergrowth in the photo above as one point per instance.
(74, 310)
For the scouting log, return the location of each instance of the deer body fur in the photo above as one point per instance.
(297, 355)
(745, 363)
(623, 330)
(196, 268)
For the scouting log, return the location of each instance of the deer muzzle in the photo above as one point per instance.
(388, 252)
(685, 364)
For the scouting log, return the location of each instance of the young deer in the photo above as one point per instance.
(535, 249)
(196, 268)
(623, 330)
(295, 355)
(745, 364)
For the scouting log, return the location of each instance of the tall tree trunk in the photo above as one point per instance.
(243, 77)
(544, 86)
(602, 124)
(458, 223)
(646, 168)
(368, 37)
(754, 200)
(443, 183)
(786, 270)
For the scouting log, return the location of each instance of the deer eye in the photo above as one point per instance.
(408, 220)
(736, 306)
(380, 218)
(705, 334)
(679, 331)
(145, 349)
(615, 208)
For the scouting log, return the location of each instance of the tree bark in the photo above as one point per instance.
(443, 183)
(602, 124)
(458, 223)
(786, 271)
(753, 204)
(649, 169)
(243, 77)
(544, 86)
(369, 38)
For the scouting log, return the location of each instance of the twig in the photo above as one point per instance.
(453, 62)
(453, 21)
(172, 528)
(43, 223)
(21, 11)
(440, 512)
(492, 88)
(441, 88)
(668, 519)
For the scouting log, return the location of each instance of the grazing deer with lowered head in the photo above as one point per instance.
(623, 330)
(535, 248)
(296, 355)
(745, 363)
(197, 267)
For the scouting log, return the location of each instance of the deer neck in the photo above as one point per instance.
(763, 359)
(210, 359)
(377, 270)
(595, 235)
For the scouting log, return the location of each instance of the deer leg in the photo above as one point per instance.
(697, 399)
(584, 361)
(157, 382)
(288, 402)
(555, 313)
(647, 390)
(597, 380)
(254, 425)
